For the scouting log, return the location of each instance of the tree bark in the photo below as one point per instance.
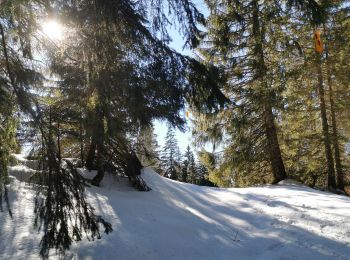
(338, 164)
(277, 165)
(325, 128)
(59, 152)
(81, 140)
(99, 135)
(91, 155)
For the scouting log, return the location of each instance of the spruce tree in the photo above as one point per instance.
(126, 73)
(147, 148)
(192, 167)
(16, 75)
(170, 164)
(242, 39)
(184, 170)
(335, 12)
(264, 47)
(203, 176)
(315, 70)
(61, 198)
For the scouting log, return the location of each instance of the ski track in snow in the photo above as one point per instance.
(183, 221)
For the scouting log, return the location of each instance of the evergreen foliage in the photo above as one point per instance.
(189, 166)
(170, 156)
(147, 148)
(114, 75)
(62, 212)
(237, 41)
(257, 89)
(301, 87)
(125, 75)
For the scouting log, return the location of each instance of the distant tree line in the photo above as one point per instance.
(168, 160)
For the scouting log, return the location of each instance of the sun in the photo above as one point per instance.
(52, 29)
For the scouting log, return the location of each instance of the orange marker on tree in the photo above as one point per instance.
(318, 42)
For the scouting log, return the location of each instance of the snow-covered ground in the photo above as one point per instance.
(183, 221)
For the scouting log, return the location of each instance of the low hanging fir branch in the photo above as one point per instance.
(61, 209)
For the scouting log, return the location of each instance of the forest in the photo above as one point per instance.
(265, 94)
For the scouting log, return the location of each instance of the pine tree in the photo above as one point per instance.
(184, 170)
(203, 176)
(242, 39)
(190, 167)
(147, 148)
(315, 66)
(127, 75)
(16, 75)
(170, 164)
(335, 12)
(259, 45)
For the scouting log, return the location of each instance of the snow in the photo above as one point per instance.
(19, 158)
(290, 182)
(21, 172)
(184, 221)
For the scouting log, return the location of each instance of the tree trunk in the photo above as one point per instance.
(81, 139)
(100, 171)
(276, 161)
(338, 165)
(59, 153)
(91, 155)
(325, 128)
(99, 135)
(277, 165)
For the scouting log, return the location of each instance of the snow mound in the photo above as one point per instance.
(184, 221)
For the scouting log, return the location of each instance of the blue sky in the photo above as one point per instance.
(160, 127)
(184, 138)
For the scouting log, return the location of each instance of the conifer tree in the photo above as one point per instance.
(127, 75)
(192, 167)
(189, 166)
(147, 147)
(16, 75)
(242, 40)
(335, 11)
(318, 169)
(61, 192)
(261, 47)
(203, 175)
(170, 164)
(184, 170)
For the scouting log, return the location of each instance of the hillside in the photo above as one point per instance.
(183, 221)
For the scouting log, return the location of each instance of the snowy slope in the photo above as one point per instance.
(184, 221)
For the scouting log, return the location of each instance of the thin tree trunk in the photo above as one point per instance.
(59, 142)
(338, 165)
(7, 62)
(91, 155)
(100, 171)
(276, 161)
(325, 128)
(99, 134)
(49, 147)
(81, 139)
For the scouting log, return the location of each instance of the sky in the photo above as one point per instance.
(53, 31)
(160, 127)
